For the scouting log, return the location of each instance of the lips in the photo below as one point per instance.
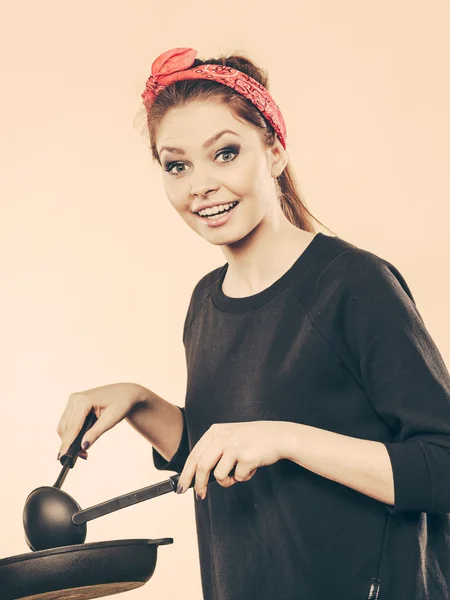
(218, 219)
(197, 212)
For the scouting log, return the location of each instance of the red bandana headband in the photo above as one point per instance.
(174, 65)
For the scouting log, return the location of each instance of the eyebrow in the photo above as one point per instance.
(207, 144)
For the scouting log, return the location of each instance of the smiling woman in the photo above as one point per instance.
(315, 394)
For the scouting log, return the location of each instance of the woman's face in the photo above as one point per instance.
(202, 169)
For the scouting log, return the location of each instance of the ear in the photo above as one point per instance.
(279, 158)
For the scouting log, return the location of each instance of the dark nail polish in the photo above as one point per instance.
(59, 455)
(85, 445)
(179, 489)
(197, 496)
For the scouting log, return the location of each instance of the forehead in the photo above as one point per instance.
(191, 125)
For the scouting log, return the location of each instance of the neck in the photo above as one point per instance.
(262, 257)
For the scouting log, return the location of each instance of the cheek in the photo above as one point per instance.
(243, 179)
(261, 180)
(175, 192)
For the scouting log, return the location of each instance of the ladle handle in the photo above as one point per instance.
(152, 491)
(72, 453)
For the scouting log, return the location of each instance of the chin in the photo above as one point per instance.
(228, 239)
(226, 235)
(221, 240)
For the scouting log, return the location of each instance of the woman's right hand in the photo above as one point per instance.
(111, 404)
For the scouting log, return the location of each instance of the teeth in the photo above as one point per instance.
(216, 209)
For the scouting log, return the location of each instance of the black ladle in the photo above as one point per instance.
(52, 518)
(48, 510)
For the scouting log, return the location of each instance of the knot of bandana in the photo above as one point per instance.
(175, 65)
(168, 63)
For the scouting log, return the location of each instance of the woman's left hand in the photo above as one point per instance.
(247, 445)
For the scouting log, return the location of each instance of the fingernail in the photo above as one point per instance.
(198, 497)
(83, 457)
(58, 457)
(179, 489)
(86, 445)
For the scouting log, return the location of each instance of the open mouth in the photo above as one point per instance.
(221, 211)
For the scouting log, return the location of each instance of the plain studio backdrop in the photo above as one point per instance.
(97, 268)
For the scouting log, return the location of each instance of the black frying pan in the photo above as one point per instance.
(79, 572)
(84, 571)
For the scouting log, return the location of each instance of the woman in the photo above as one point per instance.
(315, 394)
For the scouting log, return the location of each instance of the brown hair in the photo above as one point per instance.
(181, 93)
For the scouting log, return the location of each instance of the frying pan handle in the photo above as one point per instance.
(71, 455)
(175, 478)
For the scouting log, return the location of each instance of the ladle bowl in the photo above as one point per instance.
(47, 519)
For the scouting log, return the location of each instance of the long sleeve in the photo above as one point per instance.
(406, 381)
(179, 458)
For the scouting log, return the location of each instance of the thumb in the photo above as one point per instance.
(106, 421)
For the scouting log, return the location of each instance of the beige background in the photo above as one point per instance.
(97, 268)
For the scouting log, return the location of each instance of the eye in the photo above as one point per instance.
(170, 166)
(234, 150)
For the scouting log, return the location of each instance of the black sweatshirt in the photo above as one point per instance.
(335, 343)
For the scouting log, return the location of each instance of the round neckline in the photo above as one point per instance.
(244, 303)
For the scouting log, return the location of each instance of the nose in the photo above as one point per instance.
(202, 190)
(202, 185)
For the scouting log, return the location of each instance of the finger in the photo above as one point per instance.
(244, 471)
(187, 474)
(106, 421)
(75, 400)
(74, 425)
(208, 460)
(190, 466)
(65, 418)
(223, 469)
